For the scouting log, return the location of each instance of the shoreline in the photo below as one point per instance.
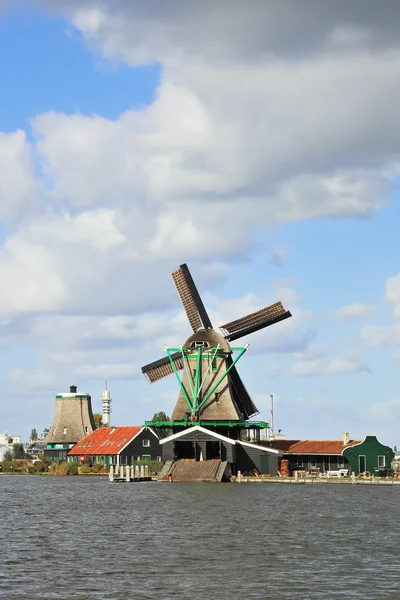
(319, 480)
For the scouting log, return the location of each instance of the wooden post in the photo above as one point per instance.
(353, 478)
(128, 473)
(132, 472)
(296, 475)
(239, 476)
(137, 472)
(141, 472)
(111, 473)
(146, 472)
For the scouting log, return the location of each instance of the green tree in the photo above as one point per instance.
(160, 416)
(98, 420)
(18, 451)
(34, 435)
(8, 456)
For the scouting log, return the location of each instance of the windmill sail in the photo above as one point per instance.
(190, 298)
(258, 320)
(241, 396)
(162, 367)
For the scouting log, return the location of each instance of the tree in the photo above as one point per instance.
(18, 451)
(8, 456)
(160, 416)
(98, 420)
(34, 435)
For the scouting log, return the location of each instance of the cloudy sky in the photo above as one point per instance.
(257, 141)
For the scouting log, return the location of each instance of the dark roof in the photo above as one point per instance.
(310, 446)
(106, 440)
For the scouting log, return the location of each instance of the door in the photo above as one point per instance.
(361, 464)
(264, 464)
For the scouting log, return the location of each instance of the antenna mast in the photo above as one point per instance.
(272, 413)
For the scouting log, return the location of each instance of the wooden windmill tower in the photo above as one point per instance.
(212, 393)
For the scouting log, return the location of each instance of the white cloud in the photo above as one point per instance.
(259, 125)
(386, 410)
(379, 335)
(352, 312)
(351, 364)
(18, 189)
(393, 293)
(346, 365)
(308, 367)
(288, 295)
(279, 254)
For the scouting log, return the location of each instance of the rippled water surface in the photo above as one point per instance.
(74, 538)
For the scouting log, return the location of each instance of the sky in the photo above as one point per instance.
(258, 142)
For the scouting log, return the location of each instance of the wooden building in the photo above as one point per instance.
(203, 444)
(323, 456)
(117, 446)
(369, 456)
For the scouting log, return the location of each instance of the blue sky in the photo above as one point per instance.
(132, 140)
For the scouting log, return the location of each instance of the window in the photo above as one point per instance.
(340, 462)
(159, 458)
(122, 460)
(146, 443)
(214, 364)
(217, 397)
(65, 430)
(146, 457)
(86, 429)
(381, 462)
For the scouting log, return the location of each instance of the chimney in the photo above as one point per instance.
(72, 389)
(346, 438)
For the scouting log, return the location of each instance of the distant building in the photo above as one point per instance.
(73, 420)
(332, 455)
(117, 446)
(7, 442)
(313, 455)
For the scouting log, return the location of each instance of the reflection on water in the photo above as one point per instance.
(76, 538)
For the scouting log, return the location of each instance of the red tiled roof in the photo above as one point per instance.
(311, 446)
(105, 440)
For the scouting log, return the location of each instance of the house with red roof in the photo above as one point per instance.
(323, 456)
(117, 446)
(314, 455)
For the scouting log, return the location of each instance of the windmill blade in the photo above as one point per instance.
(241, 396)
(258, 320)
(162, 367)
(190, 298)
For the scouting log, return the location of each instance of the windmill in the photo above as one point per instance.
(211, 390)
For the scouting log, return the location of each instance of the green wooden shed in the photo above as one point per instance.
(369, 456)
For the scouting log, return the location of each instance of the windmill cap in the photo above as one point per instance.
(213, 338)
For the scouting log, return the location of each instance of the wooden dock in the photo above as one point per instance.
(129, 474)
(352, 480)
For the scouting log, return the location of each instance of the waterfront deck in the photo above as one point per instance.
(129, 474)
(319, 480)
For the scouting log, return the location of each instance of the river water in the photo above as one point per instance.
(78, 538)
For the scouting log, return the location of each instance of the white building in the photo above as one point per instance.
(7, 442)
